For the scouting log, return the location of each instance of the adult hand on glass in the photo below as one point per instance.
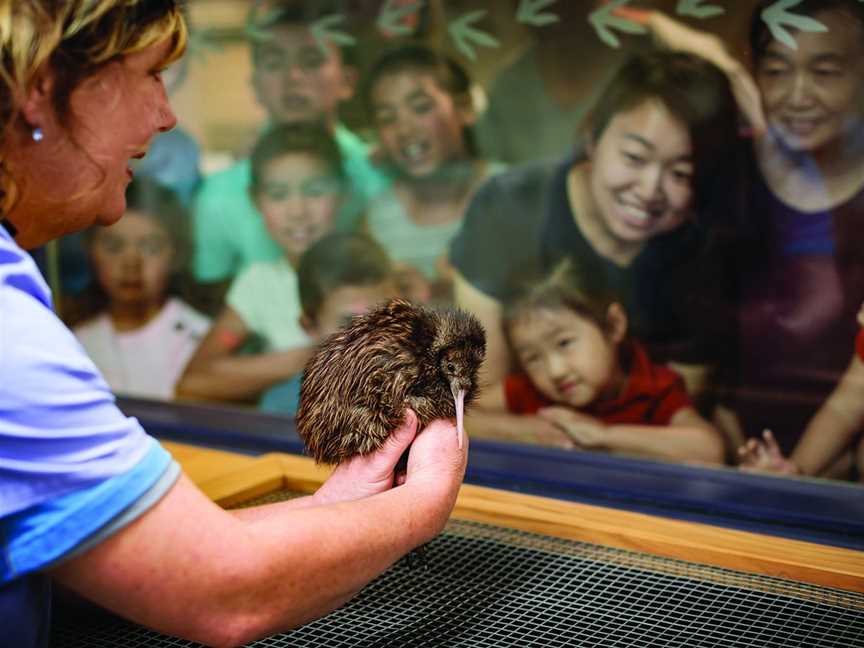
(675, 35)
(764, 455)
(366, 475)
(585, 431)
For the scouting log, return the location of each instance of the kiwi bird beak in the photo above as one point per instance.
(459, 402)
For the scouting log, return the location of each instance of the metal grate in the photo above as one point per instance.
(487, 586)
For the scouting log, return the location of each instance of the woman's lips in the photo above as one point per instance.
(801, 127)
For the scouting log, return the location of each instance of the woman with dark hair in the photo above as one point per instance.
(87, 498)
(800, 242)
(631, 207)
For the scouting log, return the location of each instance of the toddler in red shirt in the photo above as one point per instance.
(581, 373)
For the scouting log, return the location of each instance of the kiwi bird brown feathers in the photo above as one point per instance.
(360, 381)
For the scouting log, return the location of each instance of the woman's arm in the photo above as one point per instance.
(214, 372)
(488, 311)
(228, 579)
(830, 432)
(677, 36)
(835, 426)
(688, 437)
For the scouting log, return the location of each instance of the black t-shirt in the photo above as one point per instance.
(519, 226)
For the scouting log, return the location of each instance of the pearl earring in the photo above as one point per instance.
(37, 134)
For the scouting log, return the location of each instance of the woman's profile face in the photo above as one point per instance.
(812, 95)
(641, 174)
(114, 114)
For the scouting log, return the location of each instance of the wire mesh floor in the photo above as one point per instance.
(485, 586)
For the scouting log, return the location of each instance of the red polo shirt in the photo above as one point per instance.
(652, 395)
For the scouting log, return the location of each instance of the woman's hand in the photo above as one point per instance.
(764, 455)
(585, 431)
(370, 474)
(435, 455)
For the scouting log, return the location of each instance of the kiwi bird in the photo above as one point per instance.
(360, 381)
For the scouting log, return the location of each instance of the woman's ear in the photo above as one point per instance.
(616, 323)
(37, 107)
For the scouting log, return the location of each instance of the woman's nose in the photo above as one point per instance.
(651, 182)
(166, 119)
(800, 91)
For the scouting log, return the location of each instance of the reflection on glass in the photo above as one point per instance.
(726, 236)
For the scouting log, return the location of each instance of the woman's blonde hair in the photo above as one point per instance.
(77, 38)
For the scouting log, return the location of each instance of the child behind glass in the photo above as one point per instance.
(581, 373)
(298, 185)
(421, 104)
(141, 334)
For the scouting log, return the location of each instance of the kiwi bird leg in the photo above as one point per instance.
(459, 401)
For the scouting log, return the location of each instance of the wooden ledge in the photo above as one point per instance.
(228, 479)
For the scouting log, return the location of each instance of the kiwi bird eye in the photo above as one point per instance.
(450, 367)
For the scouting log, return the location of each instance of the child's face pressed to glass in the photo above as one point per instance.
(344, 303)
(641, 174)
(132, 260)
(299, 196)
(295, 79)
(419, 123)
(567, 357)
(812, 95)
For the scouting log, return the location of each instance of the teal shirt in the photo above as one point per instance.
(283, 398)
(230, 233)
